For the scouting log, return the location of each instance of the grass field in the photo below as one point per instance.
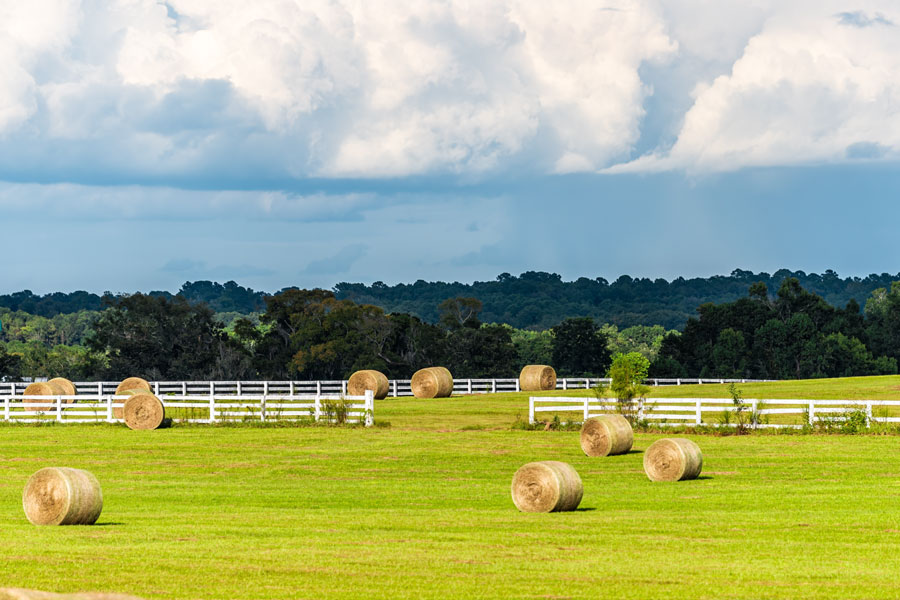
(422, 509)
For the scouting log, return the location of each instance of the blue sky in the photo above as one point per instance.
(143, 144)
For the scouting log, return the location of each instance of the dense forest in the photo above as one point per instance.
(537, 300)
(305, 334)
(214, 331)
(533, 300)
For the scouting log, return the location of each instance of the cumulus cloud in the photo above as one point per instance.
(186, 93)
(139, 89)
(807, 88)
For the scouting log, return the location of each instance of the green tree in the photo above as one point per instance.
(161, 338)
(579, 348)
(628, 372)
(9, 365)
(460, 312)
(484, 352)
(532, 347)
(730, 354)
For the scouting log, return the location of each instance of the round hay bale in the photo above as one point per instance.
(62, 496)
(144, 411)
(368, 379)
(119, 411)
(41, 388)
(67, 386)
(432, 382)
(546, 486)
(23, 594)
(673, 459)
(133, 383)
(606, 435)
(537, 378)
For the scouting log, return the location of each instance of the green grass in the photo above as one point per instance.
(422, 509)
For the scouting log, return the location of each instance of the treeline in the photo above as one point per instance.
(538, 300)
(533, 300)
(794, 335)
(222, 298)
(306, 334)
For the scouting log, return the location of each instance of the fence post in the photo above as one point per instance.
(59, 408)
(394, 382)
(531, 410)
(184, 388)
(156, 388)
(318, 407)
(493, 386)
(565, 384)
(517, 385)
(262, 409)
(699, 413)
(699, 381)
(868, 413)
(640, 409)
(212, 408)
(469, 386)
(265, 387)
(370, 408)
(318, 389)
(754, 418)
(678, 382)
(239, 391)
(812, 412)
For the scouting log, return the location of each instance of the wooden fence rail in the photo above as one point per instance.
(712, 411)
(398, 387)
(212, 408)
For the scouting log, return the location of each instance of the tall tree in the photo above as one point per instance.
(580, 348)
(161, 338)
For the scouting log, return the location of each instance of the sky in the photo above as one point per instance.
(304, 143)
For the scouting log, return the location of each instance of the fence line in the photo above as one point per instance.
(691, 411)
(398, 387)
(214, 408)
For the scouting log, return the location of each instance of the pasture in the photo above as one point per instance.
(422, 509)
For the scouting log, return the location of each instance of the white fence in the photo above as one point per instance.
(84, 408)
(398, 387)
(710, 411)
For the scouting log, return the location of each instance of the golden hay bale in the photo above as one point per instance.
(119, 411)
(673, 459)
(546, 486)
(606, 435)
(432, 382)
(22, 594)
(144, 411)
(62, 496)
(67, 386)
(537, 378)
(368, 379)
(42, 388)
(133, 383)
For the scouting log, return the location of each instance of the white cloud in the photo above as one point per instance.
(224, 93)
(816, 85)
(332, 88)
